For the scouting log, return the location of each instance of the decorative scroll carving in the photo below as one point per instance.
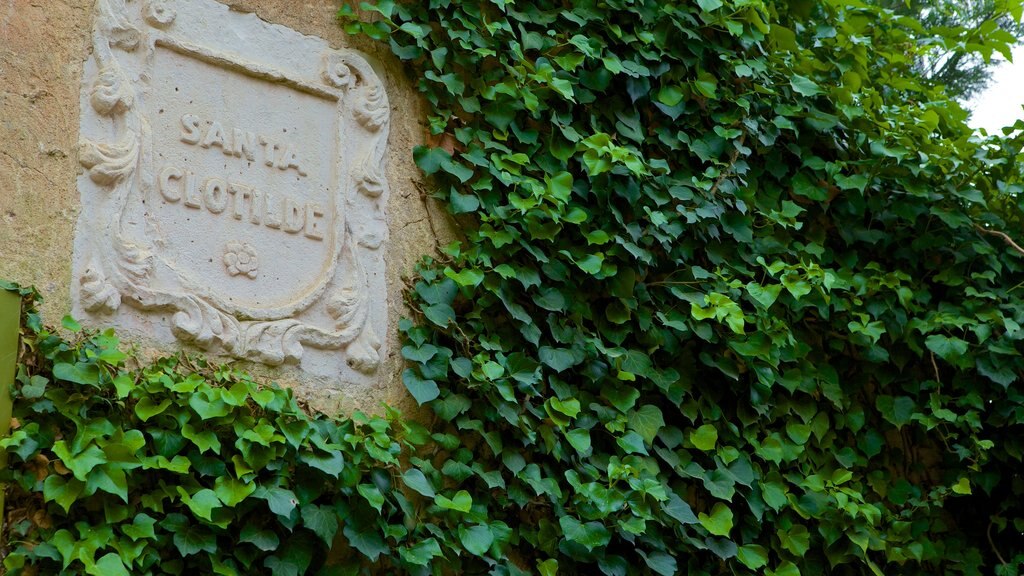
(124, 255)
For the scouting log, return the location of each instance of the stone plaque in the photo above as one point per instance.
(233, 191)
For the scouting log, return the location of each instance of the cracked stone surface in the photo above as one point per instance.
(43, 46)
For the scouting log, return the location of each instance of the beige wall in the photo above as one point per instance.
(42, 49)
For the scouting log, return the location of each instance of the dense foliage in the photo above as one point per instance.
(183, 468)
(735, 296)
(739, 295)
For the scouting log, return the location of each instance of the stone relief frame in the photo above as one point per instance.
(123, 274)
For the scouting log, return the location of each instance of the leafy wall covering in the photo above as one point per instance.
(740, 294)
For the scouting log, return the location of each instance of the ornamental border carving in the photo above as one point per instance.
(119, 261)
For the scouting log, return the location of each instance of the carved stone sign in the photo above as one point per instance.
(233, 190)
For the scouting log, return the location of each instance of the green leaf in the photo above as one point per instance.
(570, 407)
(659, 562)
(948, 348)
(421, 389)
(963, 486)
(646, 421)
(677, 508)
(372, 495)
(631, 443)
(263, 539)
(367, 540)
(83, 463)
(231, 491)
(590, 535)
(331, 463)
(719, 522)
(429, 159)
(559, 359)
(141, 527)
(147, 408)
(579, 439)
(804, 86)
(63, 492)
(753, 556)
(109, 565)
(79, 373)
(195, 539)
(461, 502)
(899, 410)
(705, 438)
(422, 553)
(559, 186)
(476, 540)
(416, 480)
(322, 520)
(622, 397)
(548, 567)
(202, 503)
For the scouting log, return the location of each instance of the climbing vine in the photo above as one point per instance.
(739, 294)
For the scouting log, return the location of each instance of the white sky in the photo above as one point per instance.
(1000, 104)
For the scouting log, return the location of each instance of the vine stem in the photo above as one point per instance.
(1006, 238)
(992, 543)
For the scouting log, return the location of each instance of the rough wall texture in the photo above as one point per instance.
(42, 49)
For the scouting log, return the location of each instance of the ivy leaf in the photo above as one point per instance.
(430, 159)
(366, 539)
(621, 397)
(261, 538)
(677, 508)
(461, 502)
(202, 503)
(147, 408)
(804, 86)
(899, 410)
(79, 373)
(80, 464)
(416, 480)
(195, 539)
(372, 495)
(322, 520)
(476, 540)
(631, 443)
(948, 348)
(705, 438)
(646, 421)
(579, 439)
(753, 556)
(559, 359)
(422, 390)
(590, 535)
(331, 463)
(109, 565)
(63, 492)
(422, 553)
(140, 528)
(231, 491)
(659, 562)
(719, 522)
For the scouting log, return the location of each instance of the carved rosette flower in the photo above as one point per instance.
(241, 258)
(159, 14)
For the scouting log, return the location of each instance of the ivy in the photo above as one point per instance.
(181, 467)
(739, 294)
